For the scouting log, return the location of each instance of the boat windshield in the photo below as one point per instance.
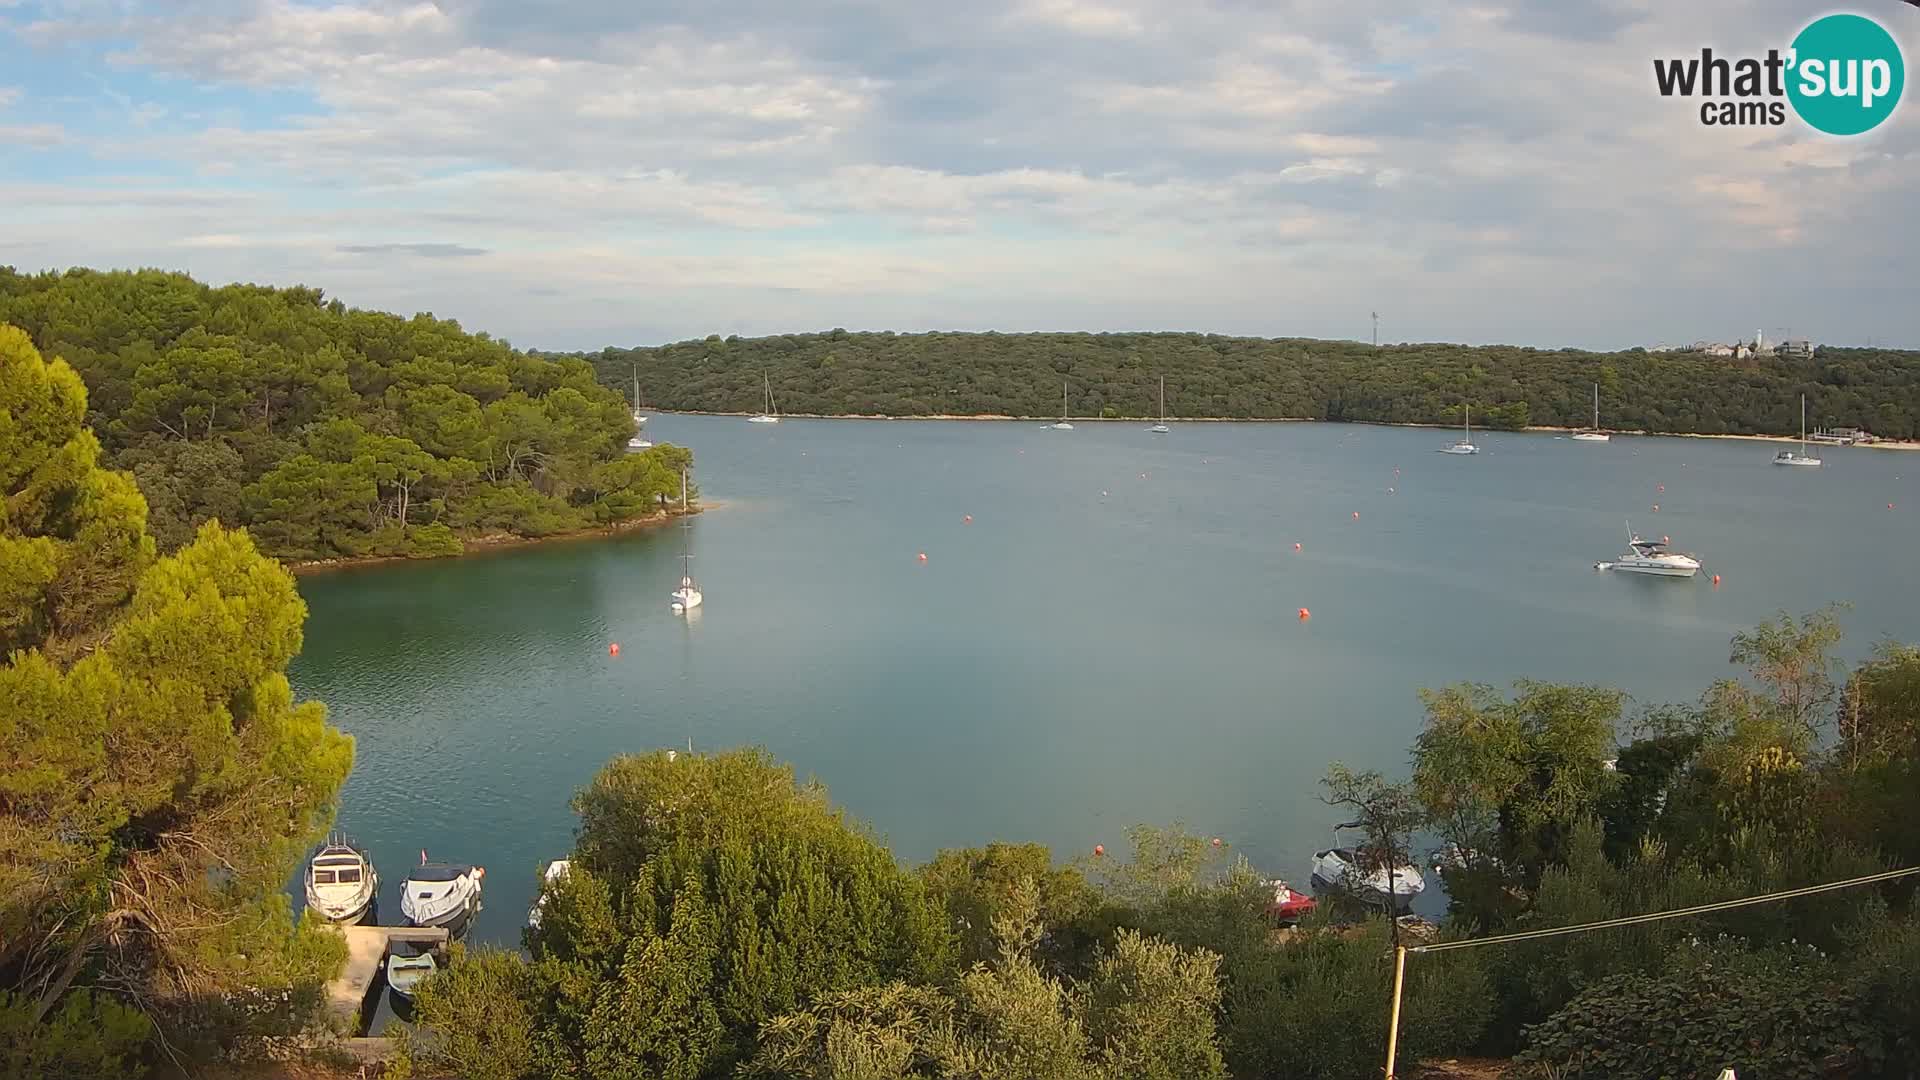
(323, 877)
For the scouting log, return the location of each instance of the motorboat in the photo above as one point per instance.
(555, 870)
(1652, 557)
(441, 894)
(1799, 457)
(341, 882)
(1337, 871)
(1465, 445)
(408, 965)
(638, 443)
(768, 414)
(1161, 428)
(1063, 425)
(1289, 905)
(1593, 434)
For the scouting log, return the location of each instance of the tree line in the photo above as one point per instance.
(1213, 376)
(334, 432)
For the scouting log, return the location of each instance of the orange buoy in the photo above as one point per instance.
(968, 520)
(1216, 841)
(1716, 579)
(923, 556)
(613, 649)
(1099, 849)
(1296, 547)
(1305, 614)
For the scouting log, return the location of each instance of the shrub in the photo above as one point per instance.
(90, 1035)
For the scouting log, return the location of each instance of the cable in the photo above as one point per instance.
(1631, 920)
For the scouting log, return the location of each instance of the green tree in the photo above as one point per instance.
(976, 884)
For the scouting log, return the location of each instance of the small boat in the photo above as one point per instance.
(1161, 428)
(1652, 557)
(441, 894)
(1789, 457)
(1593, 434)
(1289, 905)
(687, 596)
(768, 414)
(555, 870)
(1465, 445)
(1337, 870)
(408, 965)
(341, 882)
(1062, 425)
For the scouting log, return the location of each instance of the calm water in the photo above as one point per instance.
(1113, 639)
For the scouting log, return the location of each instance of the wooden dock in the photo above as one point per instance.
(349, 996)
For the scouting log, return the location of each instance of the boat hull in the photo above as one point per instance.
(1159, 429)
(1588, 436)
(1459, 450)
(1803, 463)
(1656, 571)
(342, 914)
(761, 420)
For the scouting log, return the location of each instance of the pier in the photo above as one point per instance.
(349, 995)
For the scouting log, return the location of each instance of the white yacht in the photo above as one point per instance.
(1062, 425)
(1465, 445)
(1337, 870)
(768, 414)
(1652, 557)
(1161, 428)
(556, 870)
(1789, 457)
(1593, 434)
(441, 894)
(341, 882)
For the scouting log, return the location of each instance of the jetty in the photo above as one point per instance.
(350, 995)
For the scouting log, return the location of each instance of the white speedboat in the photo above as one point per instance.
(1062, 425)
(341, 882)
(408, 965)
(1593, 434)
(1337, 870)
(556, 870)
(768, 414)
(1465, 445)
(1652, 557)
(1800, 457)
(1161, 428)
(441, 894)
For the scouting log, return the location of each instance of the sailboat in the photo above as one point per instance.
(1062, 425)
(1161, 428)
(1465, 445)
(1593, 434)
(1789, 457)
(639, 419)
(767, 413)
(687, 596)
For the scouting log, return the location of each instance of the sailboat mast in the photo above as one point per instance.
(1063, 401)
(1596, 406)
(1803, 425)
(1163, 399)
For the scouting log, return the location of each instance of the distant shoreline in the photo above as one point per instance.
(495, 542)
(1885, 444)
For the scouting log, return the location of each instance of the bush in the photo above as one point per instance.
(89, 1035)
(432, 542)
(479, 1011)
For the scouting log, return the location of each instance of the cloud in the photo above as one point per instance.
(8, 94)
(1503, 171)
(36, 136)
(425, 250)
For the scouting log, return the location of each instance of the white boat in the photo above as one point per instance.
(639, 420)
(341, 882)
(441, 894)
(408, 965)
(687, 596)
(1337, 870)
(556, 870)
(1465, 445)
(1789, 457)
(1593, 434)
(1161, 428)
(1652, 557)
(1062, 425)
(768, 414)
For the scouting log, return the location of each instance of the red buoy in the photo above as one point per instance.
(1889, 506)
(1216, 841)
(1356, 515)
(923, 556)
(968, 520)
(1296, 547)
(1305, 614)
(1099, 849)
(1662, 488)
(613, 649)
(1716, 580)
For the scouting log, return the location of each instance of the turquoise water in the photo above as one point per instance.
(1113, 639)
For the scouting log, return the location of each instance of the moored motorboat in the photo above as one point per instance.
(1289, 905)
(555, 870)
(1338, 871)
(341, 883)
(441, 894)
(1652, 557)
(408, 965)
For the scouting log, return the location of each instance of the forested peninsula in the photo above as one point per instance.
(332, 432)
(839, 373)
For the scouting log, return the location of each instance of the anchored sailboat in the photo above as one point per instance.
(1465, 445)
(768, 414)
(638, 442)
(1593, 434)
(1788, 457)
(1062, 425)
(1161, 428)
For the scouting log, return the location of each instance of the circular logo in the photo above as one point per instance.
(1847, 74)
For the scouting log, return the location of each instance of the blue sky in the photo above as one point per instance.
(608, 172)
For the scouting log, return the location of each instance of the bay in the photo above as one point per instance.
(1113, 639)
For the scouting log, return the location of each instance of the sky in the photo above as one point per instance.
(631, 172)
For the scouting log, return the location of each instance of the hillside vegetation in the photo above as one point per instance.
(1115, 375)
(330, 431)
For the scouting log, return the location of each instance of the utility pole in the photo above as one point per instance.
(1376, 331)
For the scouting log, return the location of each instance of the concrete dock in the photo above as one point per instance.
(350, 997)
